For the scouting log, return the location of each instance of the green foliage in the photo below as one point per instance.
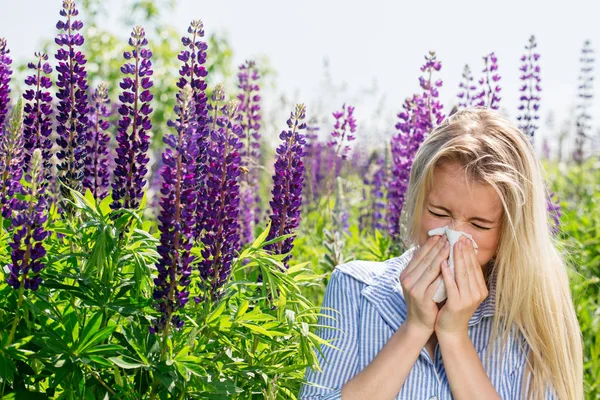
(579, 193)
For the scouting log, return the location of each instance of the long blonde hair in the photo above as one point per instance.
(532, 289)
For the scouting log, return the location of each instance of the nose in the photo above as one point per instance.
(455, 225)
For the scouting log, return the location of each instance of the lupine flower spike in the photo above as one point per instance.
(72, 106)
(132, 137)
(178, 198)
(287, 183)
(421, 114)
(11, 158)
(221, 193)
(5, 73)
(96, 163)
(38, 111)
(529, 101)
(28, 219)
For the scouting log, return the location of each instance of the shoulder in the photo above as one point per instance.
(371, 272)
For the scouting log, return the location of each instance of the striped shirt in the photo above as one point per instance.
(368, 297)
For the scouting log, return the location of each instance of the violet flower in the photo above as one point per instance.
(378, 193)
(311, 160)
(5, 73)
(28, 219)
(178, 201)
(193, 72)
(249, 109)
(221, 193)
(38, 114)
(72, 100)
(96, 163)
(344, 128)
(467, 89)
(489, 88)
(132, 137)
(421, 114)
(11, 158)
(287, 184)
(553, 208)
(585, 94)
(530, 90)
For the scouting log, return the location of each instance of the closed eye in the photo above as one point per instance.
(445, 216)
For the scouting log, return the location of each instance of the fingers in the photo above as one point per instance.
(449, 282)
(421, 255)
(432, 270)
(461, 272)
(434, 285)
(476, 278)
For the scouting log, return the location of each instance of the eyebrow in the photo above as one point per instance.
(474, 218)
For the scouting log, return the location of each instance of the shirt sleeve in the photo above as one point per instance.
(340, 365)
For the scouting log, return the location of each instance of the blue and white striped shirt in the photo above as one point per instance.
(368, 297)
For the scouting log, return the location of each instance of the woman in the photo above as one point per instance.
(508, 327)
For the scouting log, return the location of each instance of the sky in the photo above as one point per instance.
(373, 48)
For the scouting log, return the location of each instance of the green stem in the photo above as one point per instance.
(17, 316)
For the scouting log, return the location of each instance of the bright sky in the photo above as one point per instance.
(379, 41)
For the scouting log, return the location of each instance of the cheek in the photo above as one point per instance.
(487, 243)
(428, 222)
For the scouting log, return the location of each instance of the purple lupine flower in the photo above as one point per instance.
(585, 94)
(249, 109)
(344, 128)
(530, 90)
(287, 184)
(317, 170)
(221, 193)
(193, 72)
(11, 158)
(38, 110)
(5, 73)
(311, 159)
(421, 114)
(431, 94)
(378, 193)
(132, 137)
(488, 95)
(72, 100)
(341, 217)
(96, 163)
(553, 208)
(28, 218)
(178, 204)
(467, 89)
(545, 149)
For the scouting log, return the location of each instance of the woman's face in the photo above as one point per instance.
(475, 209)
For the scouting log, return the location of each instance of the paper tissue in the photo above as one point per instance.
(453, 236)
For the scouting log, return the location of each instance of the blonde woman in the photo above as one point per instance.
(507, 329)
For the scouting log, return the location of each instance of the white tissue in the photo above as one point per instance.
(453, 236)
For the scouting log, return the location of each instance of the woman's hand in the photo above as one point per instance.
(420, 279)
(464, 294)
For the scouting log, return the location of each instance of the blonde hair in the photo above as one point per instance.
(532, 289)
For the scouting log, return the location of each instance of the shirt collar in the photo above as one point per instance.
(385, 293)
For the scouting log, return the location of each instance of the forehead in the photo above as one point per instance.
(452, 189)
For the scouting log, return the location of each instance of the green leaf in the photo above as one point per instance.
(216, 312)
(96, 338)
(7, 369)
(257, 329)
(90, 329)
(262, 237)
(242, 309)
(119, 362)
